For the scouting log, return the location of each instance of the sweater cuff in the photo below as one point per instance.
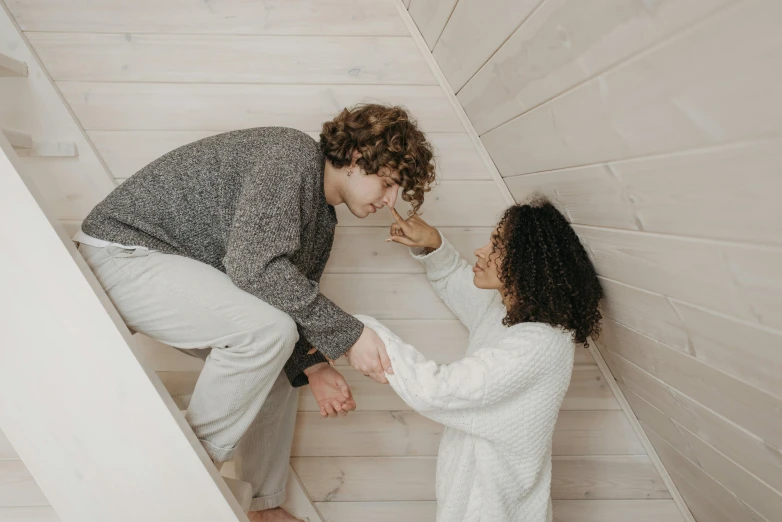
(348, 329)
(437, 260)
(299, 361)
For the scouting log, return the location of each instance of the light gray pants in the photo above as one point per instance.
(243, 405)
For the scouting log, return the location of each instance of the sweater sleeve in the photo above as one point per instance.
(452, 280)
(265, 231)
(300, 360)
(451, 394)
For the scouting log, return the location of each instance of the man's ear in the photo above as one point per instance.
(356, 156)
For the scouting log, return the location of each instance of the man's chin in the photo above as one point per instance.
(360, 214)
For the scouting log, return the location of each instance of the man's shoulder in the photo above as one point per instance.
(273, 136)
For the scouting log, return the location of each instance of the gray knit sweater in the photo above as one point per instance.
(251, 204)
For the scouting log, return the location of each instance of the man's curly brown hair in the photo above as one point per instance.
(386, 137)
(545, 271)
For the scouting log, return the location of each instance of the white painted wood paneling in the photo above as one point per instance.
(208, 58)
(655, 129)
(697, 193)
(754, 410)
(474, 32)
(385, 296)
(678, 413)
(431, 16)
(753, 492)
(643, 311)
(744, 350)
(166, 106)
(757, 272)
(365, 250)
(566, 42)
(702, 509)
(739, 280)
(272, 17)
(712, 490)
(749, 352)
(674, 97)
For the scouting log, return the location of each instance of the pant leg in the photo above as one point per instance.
(191, 305)
(263, 455)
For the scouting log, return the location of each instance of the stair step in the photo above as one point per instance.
(11, 67)
(25, 146)
(242, 491)
(19, 140)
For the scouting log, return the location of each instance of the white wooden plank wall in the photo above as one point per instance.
(655, 126)
(145, 77)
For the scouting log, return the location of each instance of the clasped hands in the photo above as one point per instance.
(368, 355)
(329, 387)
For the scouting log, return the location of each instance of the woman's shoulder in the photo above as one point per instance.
(539, 334)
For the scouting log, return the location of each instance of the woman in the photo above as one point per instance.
(531, 296)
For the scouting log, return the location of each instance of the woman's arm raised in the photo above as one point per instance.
(450, 275)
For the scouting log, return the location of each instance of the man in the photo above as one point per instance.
(217, 248)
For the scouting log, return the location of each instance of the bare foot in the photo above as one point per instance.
(272, 515)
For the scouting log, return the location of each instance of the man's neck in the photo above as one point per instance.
(332, 183)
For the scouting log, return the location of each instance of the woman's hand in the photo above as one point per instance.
(414, 232)
(330, 390)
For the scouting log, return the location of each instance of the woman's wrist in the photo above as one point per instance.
(435, 242)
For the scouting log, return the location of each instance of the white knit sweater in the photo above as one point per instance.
(499, 403)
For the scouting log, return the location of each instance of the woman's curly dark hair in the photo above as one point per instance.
(386, 137)
(545, 271)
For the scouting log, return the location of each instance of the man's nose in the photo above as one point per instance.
(390, 197)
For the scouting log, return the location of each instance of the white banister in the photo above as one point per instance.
(97, 430)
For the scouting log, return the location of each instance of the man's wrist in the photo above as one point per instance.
(315, 368)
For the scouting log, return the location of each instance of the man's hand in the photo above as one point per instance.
(369, 356)
(330, 390)
(414, 232)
